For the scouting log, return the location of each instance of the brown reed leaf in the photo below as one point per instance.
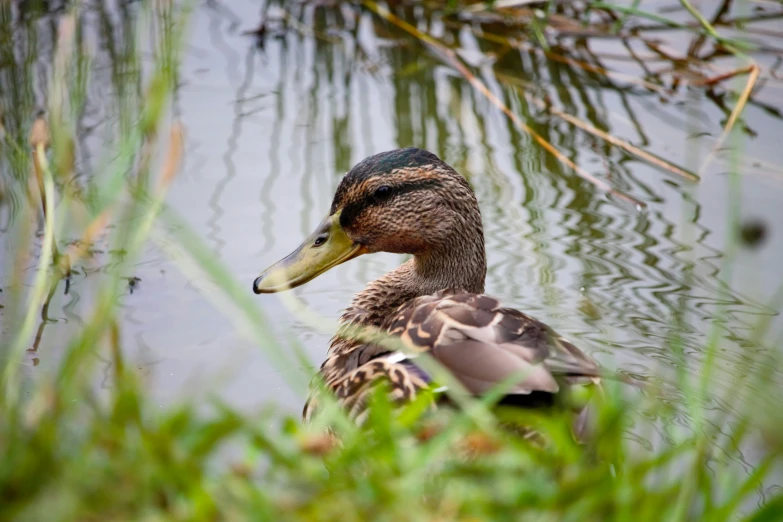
(450, 57)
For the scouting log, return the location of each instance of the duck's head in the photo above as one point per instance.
(405, 201)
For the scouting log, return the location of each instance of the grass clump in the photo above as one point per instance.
(72, 451)
(117, 459)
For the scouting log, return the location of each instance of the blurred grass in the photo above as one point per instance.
(70, 452)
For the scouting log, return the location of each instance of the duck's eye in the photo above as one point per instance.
(320, 240)
(382, 193)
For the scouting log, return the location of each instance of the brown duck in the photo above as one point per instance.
(408, 201)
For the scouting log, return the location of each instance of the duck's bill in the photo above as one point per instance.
(327, 247)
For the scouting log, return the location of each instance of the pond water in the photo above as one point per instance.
(272, 123)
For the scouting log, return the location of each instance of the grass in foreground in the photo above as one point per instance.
(114, 458)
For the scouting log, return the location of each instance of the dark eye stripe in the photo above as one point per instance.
(411, 186)
(352, 210)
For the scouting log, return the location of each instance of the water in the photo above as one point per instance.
(273, 123)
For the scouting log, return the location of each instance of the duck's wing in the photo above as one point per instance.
(483, 343)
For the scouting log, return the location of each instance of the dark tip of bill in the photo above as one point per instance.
(256, 283)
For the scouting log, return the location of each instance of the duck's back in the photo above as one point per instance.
(481, 342)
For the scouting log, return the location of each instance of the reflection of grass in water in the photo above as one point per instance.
(68, 453)
(603, 240)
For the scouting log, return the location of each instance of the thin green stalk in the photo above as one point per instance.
(730, 44)
(38, 293)
(227, 291)
(618, 24)
(631, 10)
(730, 253)
(710, 29)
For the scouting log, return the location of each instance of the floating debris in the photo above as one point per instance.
(133, 282)
(753, 233)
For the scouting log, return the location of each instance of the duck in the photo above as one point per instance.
(409, 201)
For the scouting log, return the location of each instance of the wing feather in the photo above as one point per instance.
(483, 343)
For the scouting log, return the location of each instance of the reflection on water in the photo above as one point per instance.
(274, 121)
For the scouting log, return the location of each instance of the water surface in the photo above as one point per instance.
(273, 122)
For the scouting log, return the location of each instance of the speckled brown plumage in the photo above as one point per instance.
(434, 301)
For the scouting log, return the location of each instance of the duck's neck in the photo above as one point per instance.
(463, 267)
